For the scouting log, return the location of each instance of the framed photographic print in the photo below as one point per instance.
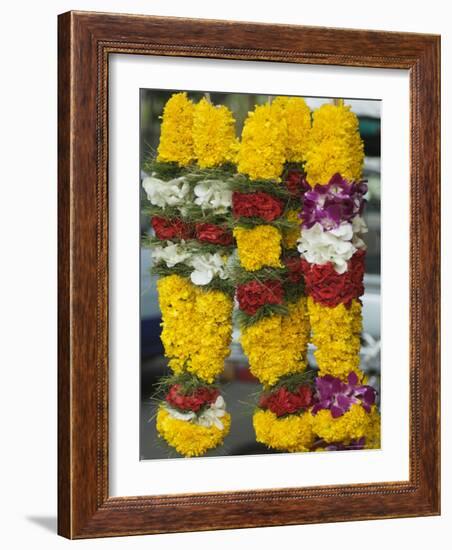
(248, 275)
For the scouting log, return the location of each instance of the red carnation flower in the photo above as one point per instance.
(191, 402)
(295, 269)
(253, 295)
(330, 288)
(260, 205)
(283, 401)
(296, 182)
(215, 234)
(171, 228)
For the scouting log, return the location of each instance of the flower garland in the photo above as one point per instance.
(272, 306)
(189, 207)
(333, 254)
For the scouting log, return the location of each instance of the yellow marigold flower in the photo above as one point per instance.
(213, 134)
(190, 439)
(335, 145)
(298, 119)
(277, 345)
(258, 247)
(197, 327)
(373, 435)
(336, 332)
(292, 433)
(354, 424)
(262, 151)
(176, 141)
(291, 236)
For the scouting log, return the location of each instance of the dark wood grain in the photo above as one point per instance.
(85, 42)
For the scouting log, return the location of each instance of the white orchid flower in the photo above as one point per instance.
(161, 193)
(211, 416)
(172, 254)
(206, 267)
(213, 194)
(318, 246)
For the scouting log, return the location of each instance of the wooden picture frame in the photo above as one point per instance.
(86, 40)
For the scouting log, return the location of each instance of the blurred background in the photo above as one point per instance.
(238, 386)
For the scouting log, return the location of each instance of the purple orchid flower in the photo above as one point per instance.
(333, 203)
(338, 396)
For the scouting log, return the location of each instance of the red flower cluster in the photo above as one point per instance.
(260, 205)
(329, 288)
(296, 182)
(171, 228)
(295, 269)
(283, 401)
(191, 402)
(215, 234)
(253, 295)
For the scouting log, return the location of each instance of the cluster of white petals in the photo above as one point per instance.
(171, 254)
(161, 193)
(209, 417)
(205, 266)
(337, 245)
(213, 194)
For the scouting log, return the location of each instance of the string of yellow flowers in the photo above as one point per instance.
(196, 321)
(335, 145)
(336, 333)
(196, 327)
(273, 135)
(276, 346)
(176, 132)
(355, 424)
(214, 139)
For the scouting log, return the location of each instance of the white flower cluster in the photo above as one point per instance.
(161, 193)
(208, 194)
(212, 194)
(209, 417)
(205, 266)
(338, 245)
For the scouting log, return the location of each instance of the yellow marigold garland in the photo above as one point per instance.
(336, 332)
(258, 247)
(335, 145)
(188, 438)
(196, 325)
(276, 345)
(354, 424)
(298, 119)
(176, 140)
(262, 151)
(213, 134)
(292, 433)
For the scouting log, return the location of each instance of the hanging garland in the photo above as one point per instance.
(272, 307)
(333, 255)
(189, 205)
